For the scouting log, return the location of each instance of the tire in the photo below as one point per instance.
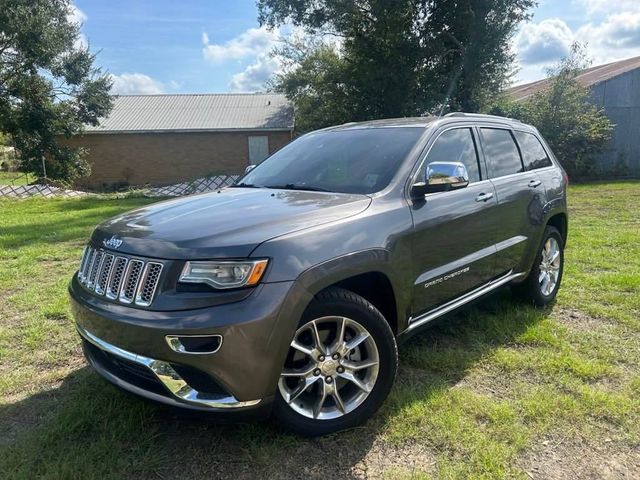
(336, 319)
(533, 289)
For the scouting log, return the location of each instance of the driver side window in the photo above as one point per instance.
(456, 145)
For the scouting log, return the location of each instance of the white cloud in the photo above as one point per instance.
(544, 42)
(250, 43)
(612, 33)
(254, 77)
(77, 16)
(617, 36)
(135, 83)
(594, 7)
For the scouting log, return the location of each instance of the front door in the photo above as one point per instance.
(454, 232)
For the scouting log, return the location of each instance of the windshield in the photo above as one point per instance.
(346, 161)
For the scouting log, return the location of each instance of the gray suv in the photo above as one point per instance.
(288, 292)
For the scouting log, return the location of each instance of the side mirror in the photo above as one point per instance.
(441, 177)
(249, 168)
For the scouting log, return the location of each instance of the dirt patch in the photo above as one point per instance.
(578, 320)
(558, 458)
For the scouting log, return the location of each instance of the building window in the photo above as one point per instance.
(258, 149)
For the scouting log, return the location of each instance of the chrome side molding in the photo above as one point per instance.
(171, 380)
(460, 301)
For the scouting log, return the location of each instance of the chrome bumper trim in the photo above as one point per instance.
(173, 382)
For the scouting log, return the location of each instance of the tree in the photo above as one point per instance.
(49, 86)
(397, 57)
(469, 59)
(575, 129)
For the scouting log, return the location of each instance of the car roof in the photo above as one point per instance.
(425, 122)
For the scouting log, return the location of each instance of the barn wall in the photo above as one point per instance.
(620, 98)
(166, 158)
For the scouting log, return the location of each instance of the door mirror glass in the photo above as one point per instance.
(249, 168)
(444, 176)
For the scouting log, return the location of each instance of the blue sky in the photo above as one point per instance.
(163, 46)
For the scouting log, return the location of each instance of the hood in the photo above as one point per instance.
(225, 224)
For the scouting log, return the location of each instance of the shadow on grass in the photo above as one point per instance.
(87, 428)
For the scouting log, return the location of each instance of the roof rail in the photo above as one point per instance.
(479, 115)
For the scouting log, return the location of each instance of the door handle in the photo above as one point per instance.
(534, 183)
(483, 197)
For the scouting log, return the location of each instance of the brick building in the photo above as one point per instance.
(165, 139)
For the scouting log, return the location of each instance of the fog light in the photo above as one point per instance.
(195, 344)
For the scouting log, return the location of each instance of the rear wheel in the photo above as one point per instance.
(340, 366)
(542, 284)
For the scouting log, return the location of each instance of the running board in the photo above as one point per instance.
(458, 302)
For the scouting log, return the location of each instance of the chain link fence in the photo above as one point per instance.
(200, 185)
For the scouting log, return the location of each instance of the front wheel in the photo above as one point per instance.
(543, 282)
(339, 368)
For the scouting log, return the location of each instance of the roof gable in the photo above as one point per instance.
(197, 112)
(589, 77)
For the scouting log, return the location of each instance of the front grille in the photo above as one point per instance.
(119, 277)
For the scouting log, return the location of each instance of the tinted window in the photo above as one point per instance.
(501, 152)
(349, 161)
(533, 152)
(456, 146)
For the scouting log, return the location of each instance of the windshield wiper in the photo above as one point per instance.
(293, 186)
(244, 185)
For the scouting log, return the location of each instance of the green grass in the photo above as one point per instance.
(15, 178)
(492, 392)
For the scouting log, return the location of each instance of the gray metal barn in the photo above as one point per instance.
(616, 88)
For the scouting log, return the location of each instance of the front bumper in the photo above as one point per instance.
(178, 390)
(242, 374)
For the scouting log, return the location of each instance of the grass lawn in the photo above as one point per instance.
(14, 178)
(500, 390)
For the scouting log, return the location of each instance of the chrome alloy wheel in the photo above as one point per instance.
(331, 368)
(549, 266)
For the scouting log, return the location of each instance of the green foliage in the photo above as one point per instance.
(395, 58)
(575, 129)
(48, 85)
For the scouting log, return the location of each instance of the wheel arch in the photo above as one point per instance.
(367, 273)
(559, 221)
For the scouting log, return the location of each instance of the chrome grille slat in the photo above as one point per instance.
(119, 277)
(105, 273)
(148, 283)
(83, 264)
(115, 282)
(130, 284)
(96, 264)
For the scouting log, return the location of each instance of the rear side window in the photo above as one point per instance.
(533, 153)
(501, 152)
(456, 146)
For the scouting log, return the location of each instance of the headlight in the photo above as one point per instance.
(224, 274)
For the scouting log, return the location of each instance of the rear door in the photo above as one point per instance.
(453, 240)
(520, 197)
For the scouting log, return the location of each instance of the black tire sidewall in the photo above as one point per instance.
(533, 285)
(339, 302)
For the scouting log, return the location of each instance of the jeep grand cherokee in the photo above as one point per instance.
(288, 291)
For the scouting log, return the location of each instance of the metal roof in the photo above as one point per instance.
(588, 78)
(197, 112)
